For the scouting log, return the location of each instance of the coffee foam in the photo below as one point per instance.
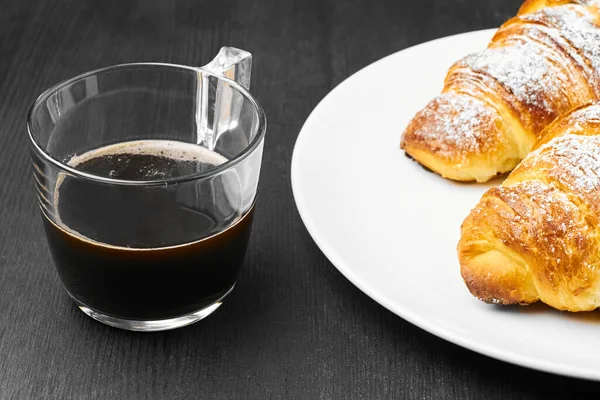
(161, 148)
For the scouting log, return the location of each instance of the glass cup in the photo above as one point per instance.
(146, 176)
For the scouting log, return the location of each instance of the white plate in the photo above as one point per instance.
(392, 228)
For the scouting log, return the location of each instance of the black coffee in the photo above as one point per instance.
(146, 253)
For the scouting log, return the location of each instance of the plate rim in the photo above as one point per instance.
(403, 312)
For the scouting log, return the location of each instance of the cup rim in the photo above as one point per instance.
(249, 149)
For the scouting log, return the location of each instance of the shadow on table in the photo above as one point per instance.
(541, 308)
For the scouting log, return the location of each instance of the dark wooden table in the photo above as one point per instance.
(294, 327)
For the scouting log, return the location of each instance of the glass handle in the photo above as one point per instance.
(217, 108)
(232, 63)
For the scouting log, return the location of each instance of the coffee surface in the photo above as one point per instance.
(146, 252)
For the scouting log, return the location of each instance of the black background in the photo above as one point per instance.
(294, 327)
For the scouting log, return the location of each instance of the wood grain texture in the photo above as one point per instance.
(294, 327)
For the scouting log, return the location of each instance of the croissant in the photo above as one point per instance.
(495, 103)
(537, 236)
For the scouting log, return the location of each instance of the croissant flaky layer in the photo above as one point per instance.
(537, 236)
(495, 103)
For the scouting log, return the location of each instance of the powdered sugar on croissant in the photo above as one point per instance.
(538, 66)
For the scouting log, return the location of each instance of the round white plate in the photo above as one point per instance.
(392, 228)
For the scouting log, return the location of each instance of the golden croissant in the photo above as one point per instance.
(537, 236)
(495, 103)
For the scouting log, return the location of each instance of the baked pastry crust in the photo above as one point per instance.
(495, 103)
(537, 236)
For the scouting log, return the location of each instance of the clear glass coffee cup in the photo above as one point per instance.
(146, 176)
